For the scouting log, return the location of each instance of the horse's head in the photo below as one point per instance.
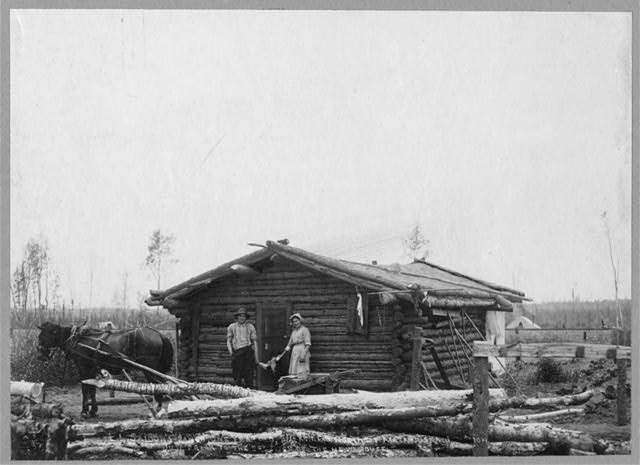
(51, 336)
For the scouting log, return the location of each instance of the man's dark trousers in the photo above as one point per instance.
(243, 366)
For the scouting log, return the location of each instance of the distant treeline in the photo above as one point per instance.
(577, 315)
(155, 317)
(568, 314)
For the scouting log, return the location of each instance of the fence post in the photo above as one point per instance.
(621, 394)
(480, 423)
(416, 359)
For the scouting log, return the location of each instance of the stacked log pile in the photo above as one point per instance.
(39, 430)
(398, 424)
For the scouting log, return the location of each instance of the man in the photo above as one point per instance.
(242, 346)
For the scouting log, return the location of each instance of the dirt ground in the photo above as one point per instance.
(598, 419)
(71, 399)
(600, 412)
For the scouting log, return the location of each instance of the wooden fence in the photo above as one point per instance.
(483, 350)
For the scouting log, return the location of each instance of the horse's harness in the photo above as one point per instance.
(73, 344)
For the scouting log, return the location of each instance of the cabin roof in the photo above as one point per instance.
(423, 278)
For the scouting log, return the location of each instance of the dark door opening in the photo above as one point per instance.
(273, 335)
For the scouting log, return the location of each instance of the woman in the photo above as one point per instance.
(299, 344)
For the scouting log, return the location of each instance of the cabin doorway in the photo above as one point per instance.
(272, 319)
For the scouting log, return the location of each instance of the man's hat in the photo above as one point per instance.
(241, 311)
(296, 315)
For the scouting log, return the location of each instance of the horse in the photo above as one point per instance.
(92, 350)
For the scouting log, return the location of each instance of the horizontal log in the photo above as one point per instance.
(367, 384)
(44, 410)
(443, 337)
(399, 440)
(100, 452)
(540, 402)
(253, 440)
(183, 389)
(339, 453)
(604, 447)
(541, 416)
(552, 350)
(460, 429)
(351, 340)
(300, 295)
(426, 357)
(435, 401)
(34, 391)
(358, 356)
(274, 439)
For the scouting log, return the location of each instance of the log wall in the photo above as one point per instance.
(452, 352)
(322, 301)
(382, 357)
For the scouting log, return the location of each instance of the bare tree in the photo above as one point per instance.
(415, 244)
(35, 284)
(160, 249)
(615, 268)
(20, 287)
(124, 291)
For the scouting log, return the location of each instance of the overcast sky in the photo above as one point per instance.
(506, 135)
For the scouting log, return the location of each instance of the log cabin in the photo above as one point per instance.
(394, 327)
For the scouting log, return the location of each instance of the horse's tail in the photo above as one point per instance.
(166, 357)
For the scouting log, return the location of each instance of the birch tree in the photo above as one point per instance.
(415, 244)
(159, 256)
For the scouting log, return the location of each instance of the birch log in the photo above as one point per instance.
(541, 416)
(442, 402)
(174, 390)
(559, 439)
(428, 403)
(223, 443)
(258, 441)
(523, 402)
(401, 440)
(241, 422)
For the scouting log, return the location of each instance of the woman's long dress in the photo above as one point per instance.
(299, 365)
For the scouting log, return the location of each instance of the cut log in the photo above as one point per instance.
(511, 448)
(256, 441)
(174, 390)
(261, 422)
(429, 403)
(27, 409)
(541, 416)
(460, 428)
(438, 402)
(338, 453)
(580, 452)
(34, 391)
(399, 440)
(539, 402)
(138, 427)
(106, 452)
(604, 447)
(47, 410)
(559, 439)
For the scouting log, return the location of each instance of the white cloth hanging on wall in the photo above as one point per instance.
(495, 334)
